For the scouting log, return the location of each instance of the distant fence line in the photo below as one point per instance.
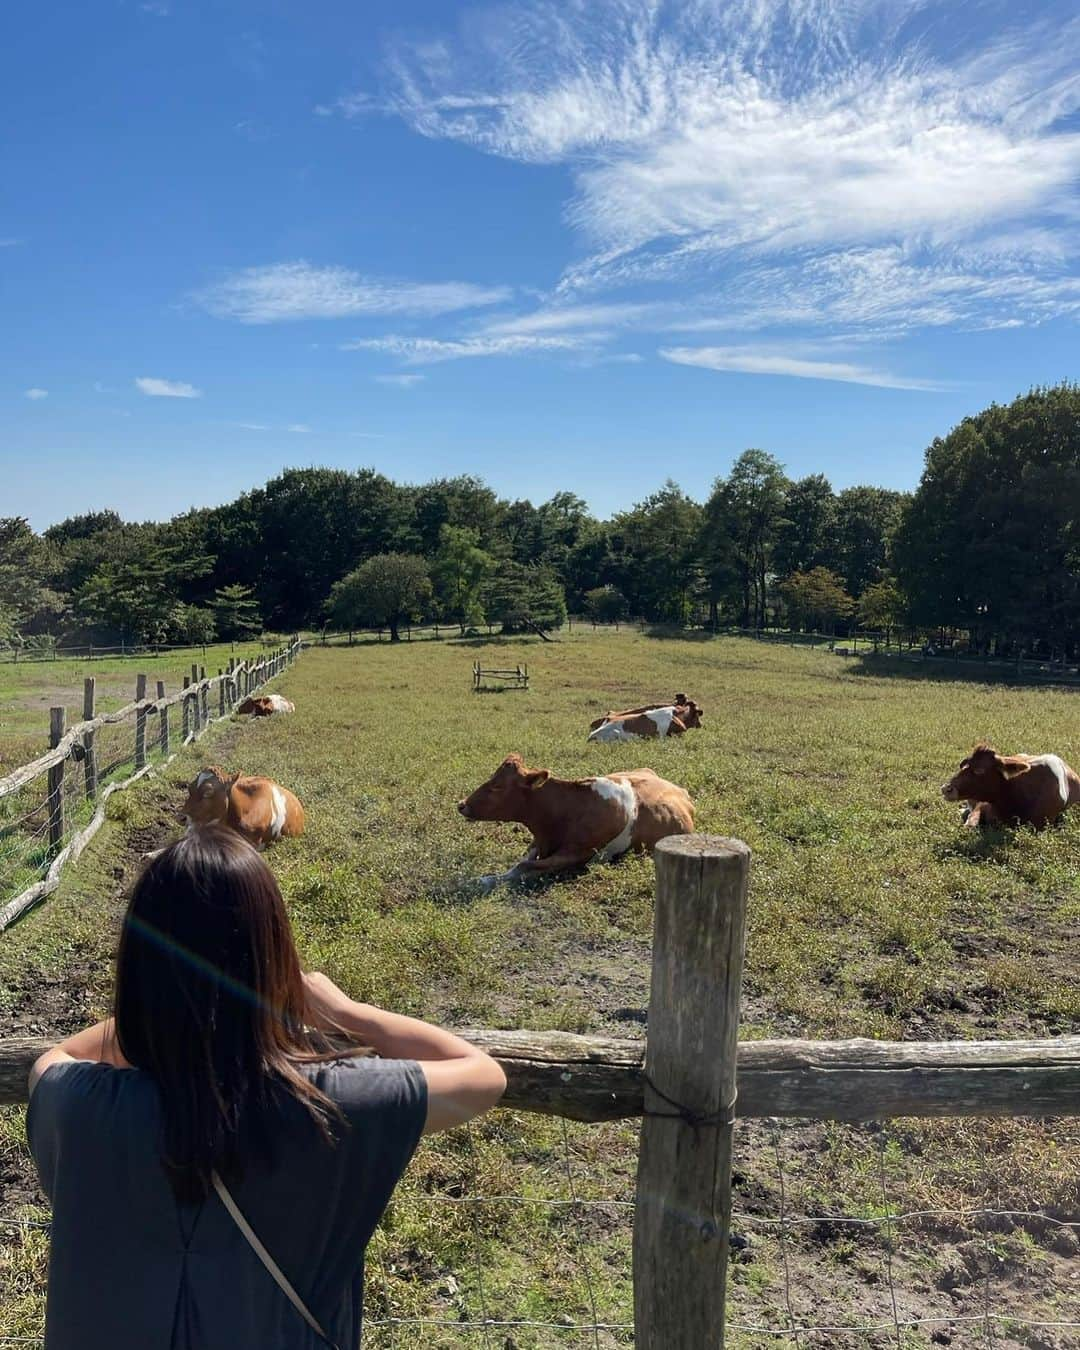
(49, 822)
(92, 651)
(690, 1079)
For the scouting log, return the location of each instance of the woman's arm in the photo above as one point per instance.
(97, 1043)
(462, 1081)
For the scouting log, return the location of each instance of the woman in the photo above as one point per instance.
(204, 1104)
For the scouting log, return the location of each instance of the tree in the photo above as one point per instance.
(195, 624)
(882, 605)
(816, 599)
(991, 539)
(460, 571)
(134, 591)
(388, 589)
(236, 612)
(742, 521)
(806, 534)
(520, 598)
(605, 604)
(24, 563)
(655, 554)
(866, 520)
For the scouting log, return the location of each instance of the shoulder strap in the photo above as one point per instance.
(276, 1273)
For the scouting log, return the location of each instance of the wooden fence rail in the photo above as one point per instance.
(79, 743)
(684, 1077)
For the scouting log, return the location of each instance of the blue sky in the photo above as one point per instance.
(588, 244)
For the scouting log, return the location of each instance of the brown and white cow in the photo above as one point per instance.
(1012, 789)
(258, 808)
(632, 724)
(574, 821)
(265, 705)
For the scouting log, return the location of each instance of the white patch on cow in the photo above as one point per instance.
(1057, 765)
(280, 704)
(612, 731)
(277, 817)
(624, 794)
(662, 718)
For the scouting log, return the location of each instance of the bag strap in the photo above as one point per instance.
(277, 1274)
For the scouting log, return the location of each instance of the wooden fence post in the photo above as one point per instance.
(57, 725)
(89, 750)
(163, 716)
(204, 695)
(221, 692)
(185, 710)
(140, 723)
(683, 1213)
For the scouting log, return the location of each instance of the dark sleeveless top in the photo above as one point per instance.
(130, 1269)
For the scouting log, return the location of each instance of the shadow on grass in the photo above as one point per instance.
(945, 671)
(667, 634)
(976, 845)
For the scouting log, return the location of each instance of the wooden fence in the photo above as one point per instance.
(690, 1078)
(202, 700)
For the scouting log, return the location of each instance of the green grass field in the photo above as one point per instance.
(872, 914)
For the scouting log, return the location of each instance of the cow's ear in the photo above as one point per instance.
(1013, 769)
(537, 777)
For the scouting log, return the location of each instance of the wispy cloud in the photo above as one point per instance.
(36, 395)
(400, 381)
(763, 361)
(425, 351)
(830, 137)
(156, 388)
(299, 290)
(299, 428)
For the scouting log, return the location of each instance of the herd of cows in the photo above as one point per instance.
(574, 822)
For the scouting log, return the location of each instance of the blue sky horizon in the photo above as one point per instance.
(561, 244)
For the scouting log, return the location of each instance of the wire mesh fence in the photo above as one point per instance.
(512, 1235)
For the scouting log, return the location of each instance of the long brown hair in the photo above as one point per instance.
(210, 1002)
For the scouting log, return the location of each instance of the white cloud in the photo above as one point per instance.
(560, 318)
(763, 361)
(712, 136)
(156, 388)
(35, 395)
(424, 351)
(298, 290)
(400, 381)
(299, 428)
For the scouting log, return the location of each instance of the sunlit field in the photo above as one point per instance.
(872, 913)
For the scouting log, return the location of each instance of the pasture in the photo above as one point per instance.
(871, 914)
(28, 689)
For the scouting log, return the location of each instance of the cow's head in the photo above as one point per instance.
(505, 795)
(979, 775)
(688, 712)
(208, 796)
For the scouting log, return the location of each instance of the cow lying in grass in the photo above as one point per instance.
(574, 821)
(258, 808)
(634, 724)
(1012, 789)
(265, 705)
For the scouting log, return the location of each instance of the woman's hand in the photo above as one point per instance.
(462, 1081)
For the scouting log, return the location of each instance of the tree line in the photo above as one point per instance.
(987, 547)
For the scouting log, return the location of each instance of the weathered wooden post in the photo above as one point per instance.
(683, 1211)
(204, 697)
(163, 718)
(221, 692)
(57, 725)
(185, 710)
(140, 723)
(89, 750)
